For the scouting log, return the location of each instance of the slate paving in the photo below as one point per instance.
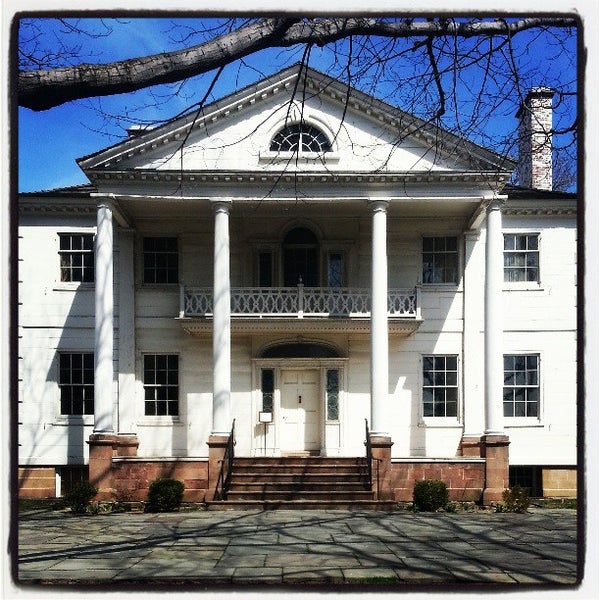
(299, 548)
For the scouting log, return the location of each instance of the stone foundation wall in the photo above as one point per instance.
(465, 480)
(131, 478)
(37, 482)
(559, 482)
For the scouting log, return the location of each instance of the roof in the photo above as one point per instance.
(517, 192)
(286, 81)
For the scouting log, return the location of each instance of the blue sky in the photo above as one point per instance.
(51, 140)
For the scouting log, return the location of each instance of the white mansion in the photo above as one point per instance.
(337, 276)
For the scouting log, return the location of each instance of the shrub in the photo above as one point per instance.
(516, 499)
(165, 495)
(78, 498)
(430, 495)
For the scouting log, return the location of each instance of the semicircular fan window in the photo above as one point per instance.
(300, 137)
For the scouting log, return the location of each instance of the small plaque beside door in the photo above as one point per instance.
(265, 417)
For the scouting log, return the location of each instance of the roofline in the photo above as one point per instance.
(415, 126)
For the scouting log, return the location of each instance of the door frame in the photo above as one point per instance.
(273, 446)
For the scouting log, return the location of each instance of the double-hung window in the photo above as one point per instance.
(521, 385)
(521, 257)
(440, 259)
(161, 384)
(161, 260)
(440, 386)
(76, 252)
(76, 383)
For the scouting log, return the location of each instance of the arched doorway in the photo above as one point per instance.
(300, 258)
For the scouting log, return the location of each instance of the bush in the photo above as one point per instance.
(430, 495)
(78, 498)
(165, 495)
(516, 499)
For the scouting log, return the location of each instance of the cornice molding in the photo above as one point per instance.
(308, 177)
(541, 212)
(47, 206)
(204, 326)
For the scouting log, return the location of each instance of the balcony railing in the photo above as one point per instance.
(300, 302)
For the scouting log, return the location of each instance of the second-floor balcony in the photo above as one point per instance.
(301, 308)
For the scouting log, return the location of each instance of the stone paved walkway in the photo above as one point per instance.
(299, 547)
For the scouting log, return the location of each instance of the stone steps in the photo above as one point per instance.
(300, 482)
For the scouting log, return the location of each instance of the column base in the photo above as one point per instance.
(103, 448)
(100, 467)
(381, 446)
(471, 445)
(126, 444)
(217, 445)
(495, 449)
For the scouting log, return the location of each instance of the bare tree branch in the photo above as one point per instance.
(43, 89)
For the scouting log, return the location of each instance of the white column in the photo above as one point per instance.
(221, 323)
(126, 398)
(379, 323)
(493, 322)
(104, 336)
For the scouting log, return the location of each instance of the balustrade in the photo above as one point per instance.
(299, 302)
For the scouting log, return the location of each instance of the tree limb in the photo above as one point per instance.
(43, 89)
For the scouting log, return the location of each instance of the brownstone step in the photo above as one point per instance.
(353, 505)
(268, 494)
(284, 477)
(241, 483)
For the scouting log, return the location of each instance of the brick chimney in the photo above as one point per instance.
(534, 168)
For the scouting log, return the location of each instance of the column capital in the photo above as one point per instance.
(495, 203)
(222, 206)
(378, 204)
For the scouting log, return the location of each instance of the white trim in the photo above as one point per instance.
(522, 285)
(442, 422)
(527, 421)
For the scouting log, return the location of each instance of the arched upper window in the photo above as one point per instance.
(300, 137)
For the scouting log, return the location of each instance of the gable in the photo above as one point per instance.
(235, 134)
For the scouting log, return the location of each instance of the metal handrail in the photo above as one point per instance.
(369, 450)
(224, 480)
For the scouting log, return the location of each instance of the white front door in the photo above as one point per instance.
(299, 415)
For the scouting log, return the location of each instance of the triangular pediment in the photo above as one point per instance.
(235, 135)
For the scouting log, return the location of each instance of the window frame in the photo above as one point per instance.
(522, 284)
(304, 128)
(161, 417)
(440, 420)
(70, 283)
(524, 419)
(143, 253)
(457, 253)
(71, 416)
